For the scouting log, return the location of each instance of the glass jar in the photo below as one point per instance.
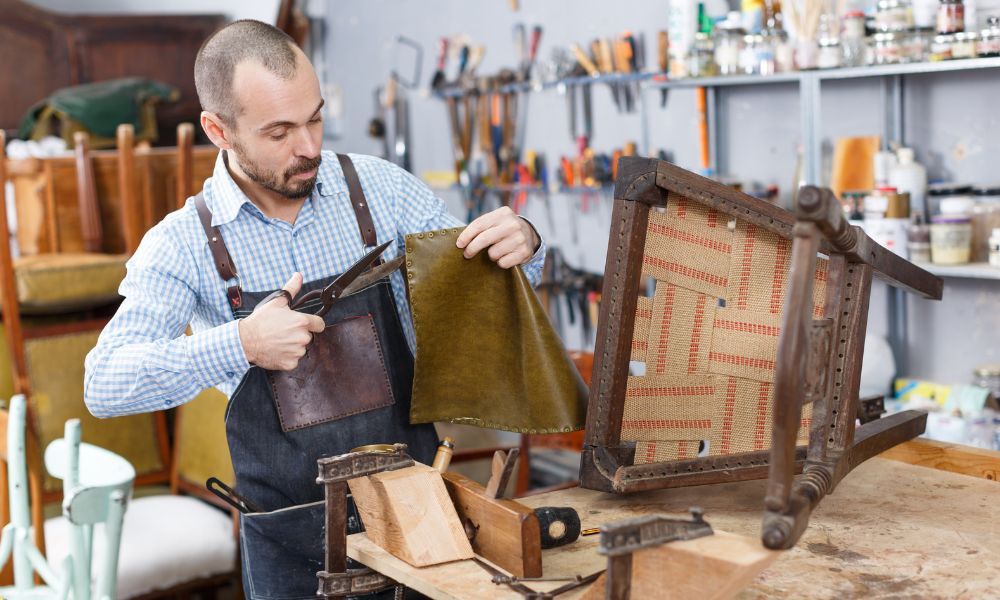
(748, 56)
(951, 239)
(941, 47)
(951, 16)
(893, 15)
(985, 218)
(728, 49)
(994, 246)
(852, 40)
(921, 42)
(702, 56)
(989, 39)
(828, 42)
(774, 41)
(887, 48)
(918, 241)
(965, 45)
(829, 53)
(784, 51)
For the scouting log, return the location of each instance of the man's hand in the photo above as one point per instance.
(275, 337)
(511, 240)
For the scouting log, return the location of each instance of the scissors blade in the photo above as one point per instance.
(336, 288)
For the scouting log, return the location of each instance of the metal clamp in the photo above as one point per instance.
(627, 536)
(622, 538)
(336, 580)
(354, 582)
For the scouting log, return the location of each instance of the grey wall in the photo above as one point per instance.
(264, 10)
(951, 120)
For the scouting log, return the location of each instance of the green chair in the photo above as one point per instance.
(96, 487)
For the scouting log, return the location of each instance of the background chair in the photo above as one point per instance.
(203, 537)
(97, 485)
(195, 549)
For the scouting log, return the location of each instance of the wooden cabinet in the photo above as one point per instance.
(43, 51)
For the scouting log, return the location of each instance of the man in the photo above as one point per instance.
(279, 214)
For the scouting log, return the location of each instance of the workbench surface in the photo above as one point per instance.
(890, 530)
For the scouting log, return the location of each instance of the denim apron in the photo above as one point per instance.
(282, 546)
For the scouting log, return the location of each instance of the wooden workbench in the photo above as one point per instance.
(891, 530)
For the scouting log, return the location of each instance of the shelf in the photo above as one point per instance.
(531, 189)
(659, 81)
(728, 80)
(962, 64)
(965, 64)
(969, 271)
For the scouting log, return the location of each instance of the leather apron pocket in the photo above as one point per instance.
(343, 373)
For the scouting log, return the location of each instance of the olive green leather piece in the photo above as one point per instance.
(487, 354)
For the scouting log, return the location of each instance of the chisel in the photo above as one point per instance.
(663, 60)
(439, 80)
(607, 67)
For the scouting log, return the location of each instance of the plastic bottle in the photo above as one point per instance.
(682, 24)
(885, 161)
(907, 175)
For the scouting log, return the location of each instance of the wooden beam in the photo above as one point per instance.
(408, 512)
(714, 567)
(945, 456)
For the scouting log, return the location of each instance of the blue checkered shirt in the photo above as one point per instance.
(144, 362)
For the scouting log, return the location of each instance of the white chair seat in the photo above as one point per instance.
(166, 540)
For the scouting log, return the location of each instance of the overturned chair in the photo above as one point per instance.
(752, 344)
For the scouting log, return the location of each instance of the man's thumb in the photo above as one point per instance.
(294, 285)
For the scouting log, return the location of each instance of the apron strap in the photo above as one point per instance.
(220, 253)
(358, 201)
(224, 261)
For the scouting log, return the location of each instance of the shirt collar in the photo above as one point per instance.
(225, 198)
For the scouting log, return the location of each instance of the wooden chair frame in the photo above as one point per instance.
(15, 331)
(830, 379)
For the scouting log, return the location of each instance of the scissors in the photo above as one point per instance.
(336, 288)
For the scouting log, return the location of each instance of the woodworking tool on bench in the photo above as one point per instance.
(336, 580)
(442, 458)
(516, 583)
(558, 525)
(619, 540)
(505, 531)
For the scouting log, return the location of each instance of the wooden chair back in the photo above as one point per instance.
(735, 299)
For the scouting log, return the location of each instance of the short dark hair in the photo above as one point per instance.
(225, 49)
